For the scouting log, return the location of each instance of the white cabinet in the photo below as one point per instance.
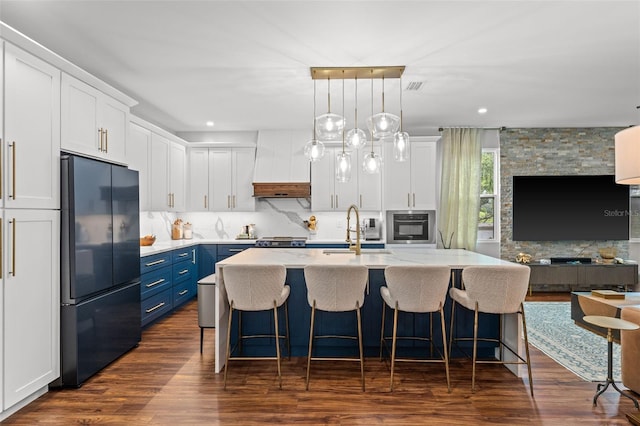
(31, 304)
(138, 149)
(198, 187)
(167, 164)
(230, 179)
(363, 190)
(93, 123)
(31, 146)
(411, 185)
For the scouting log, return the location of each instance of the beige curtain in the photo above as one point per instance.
(460, 188)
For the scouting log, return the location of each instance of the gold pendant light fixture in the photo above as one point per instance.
(384, 125)
(329, 125)
(314, 149)
(401, 138)
(372, 163)
(356, 138)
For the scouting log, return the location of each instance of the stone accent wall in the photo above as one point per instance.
(551, 151)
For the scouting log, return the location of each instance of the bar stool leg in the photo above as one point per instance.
(313, 316)
(360, 344)
(393, 344)
(384, 305)
(444, 348)
(226, 364)
(275, 320)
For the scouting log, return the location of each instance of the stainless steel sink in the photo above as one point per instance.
(362, 251)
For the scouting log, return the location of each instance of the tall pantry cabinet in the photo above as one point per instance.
(30, 220)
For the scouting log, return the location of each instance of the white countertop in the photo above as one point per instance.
(298, 257)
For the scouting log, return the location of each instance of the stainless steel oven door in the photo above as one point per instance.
(411, 227)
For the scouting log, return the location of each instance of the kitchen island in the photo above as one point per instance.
(295, 259)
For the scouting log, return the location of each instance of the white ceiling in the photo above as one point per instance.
(245, 64)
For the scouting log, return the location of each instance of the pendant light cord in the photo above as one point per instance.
(343, 111)
(371, 130)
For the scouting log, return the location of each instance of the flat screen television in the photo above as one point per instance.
(555, 208)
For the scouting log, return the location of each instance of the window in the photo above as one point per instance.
(488, 195)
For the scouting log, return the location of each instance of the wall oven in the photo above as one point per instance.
(411, 227)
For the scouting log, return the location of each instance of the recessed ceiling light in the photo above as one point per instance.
(210, 123)
(482, 110)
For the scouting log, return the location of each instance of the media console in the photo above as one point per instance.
(581, 276)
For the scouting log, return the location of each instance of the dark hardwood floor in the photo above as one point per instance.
(166, 381)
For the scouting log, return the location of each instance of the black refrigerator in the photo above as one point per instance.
(100, 266)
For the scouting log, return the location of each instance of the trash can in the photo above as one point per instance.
(206, 304)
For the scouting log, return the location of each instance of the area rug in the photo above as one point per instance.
(551, 330)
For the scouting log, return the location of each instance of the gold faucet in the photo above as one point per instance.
(352, 247)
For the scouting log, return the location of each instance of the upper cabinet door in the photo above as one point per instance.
(198, 188)
(220, 179)
(159, 164)
(93, 123)
(114, 121)
(177, 176)
(138, 149)
(31, 171)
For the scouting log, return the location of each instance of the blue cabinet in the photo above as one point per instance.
(168, 281)
(207, 258)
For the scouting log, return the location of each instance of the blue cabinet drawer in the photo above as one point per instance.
(179, 255)
(183, 271)
(226, 250)
(155, 282)
(183, 292)
(155, 261)
(156, 306)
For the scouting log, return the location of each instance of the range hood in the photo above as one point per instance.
(281, 169)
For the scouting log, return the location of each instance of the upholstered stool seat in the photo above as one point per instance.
(415, 289)
(495, 290)
(335, 288)
(256, 288)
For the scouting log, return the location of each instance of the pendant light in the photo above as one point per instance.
(383, 124)
(401, 138)
(343, 159)
(356, 138)
(372, 163)
(314, 149)
(329, 126)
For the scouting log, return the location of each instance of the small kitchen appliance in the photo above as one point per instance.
(371, 228)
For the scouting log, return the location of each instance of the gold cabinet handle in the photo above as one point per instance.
(13, 172)
(13, 247)
(337, 207)
(228, 201)
(414, 199)
(331, 200)
(169, 199)
(234, 201)
(106, 140)
(360, 200)
(408, 200)
(205, 202)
